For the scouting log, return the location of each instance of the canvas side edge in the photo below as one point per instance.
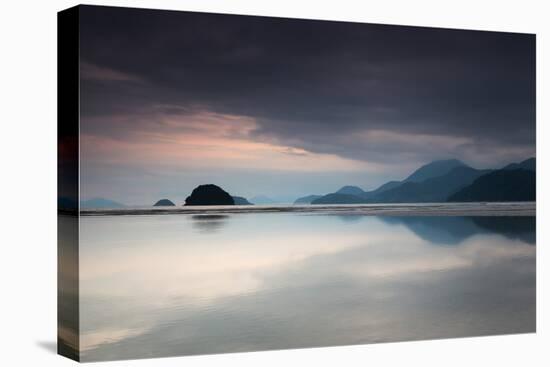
(68, 323)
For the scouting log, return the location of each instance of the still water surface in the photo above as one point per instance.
(164, 285)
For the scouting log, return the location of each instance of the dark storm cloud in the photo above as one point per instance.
(311, 84)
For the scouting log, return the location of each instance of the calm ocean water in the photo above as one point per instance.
(164, 285)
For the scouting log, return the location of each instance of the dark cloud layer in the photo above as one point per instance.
(312, 84)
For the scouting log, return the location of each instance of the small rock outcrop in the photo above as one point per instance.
(209, 195)
(164, 202)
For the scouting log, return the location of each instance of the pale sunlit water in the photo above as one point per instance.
(164, 285)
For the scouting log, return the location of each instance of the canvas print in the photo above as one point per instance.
(235, 183)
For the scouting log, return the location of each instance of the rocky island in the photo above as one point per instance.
(209, 195)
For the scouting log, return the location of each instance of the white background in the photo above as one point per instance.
(28, 181)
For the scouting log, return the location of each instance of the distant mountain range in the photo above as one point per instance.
(434, 169)
(350, 190)
(97, 203)
(239, 200)
(528, 164)
(444, 180)
(439, 181)
(263, 200)
(307, 199)
(501, 185)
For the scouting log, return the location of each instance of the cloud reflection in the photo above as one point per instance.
(279, 281)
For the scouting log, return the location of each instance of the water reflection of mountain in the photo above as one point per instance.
(454, 230)
(523, 228)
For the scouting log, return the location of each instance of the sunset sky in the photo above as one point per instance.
(285, 107)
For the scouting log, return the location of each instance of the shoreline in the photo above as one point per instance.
(412, 209)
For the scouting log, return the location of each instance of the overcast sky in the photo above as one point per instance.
(286, 107)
